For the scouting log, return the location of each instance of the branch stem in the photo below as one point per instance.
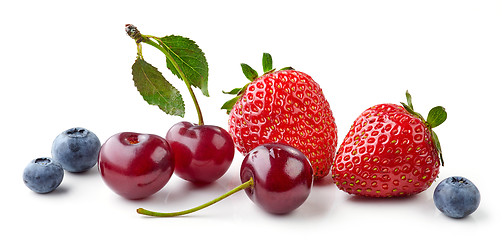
(243, 186)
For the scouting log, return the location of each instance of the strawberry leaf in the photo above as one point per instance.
(234, 91)
(267, 62)
(230, 104)
(408, 99)
(155, 89)
(409, 107)
(189, 58)
(249, 72)
(438, 146)
(287, 68)
(436, 116)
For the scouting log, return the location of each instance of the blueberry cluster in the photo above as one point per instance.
(74, 150)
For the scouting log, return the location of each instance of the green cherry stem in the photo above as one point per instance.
(147, 39)
(140, 50)
(243, 186)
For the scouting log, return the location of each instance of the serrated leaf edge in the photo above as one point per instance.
(181, 111)
(204, 84)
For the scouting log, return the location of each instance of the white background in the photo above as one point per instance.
(66, 64)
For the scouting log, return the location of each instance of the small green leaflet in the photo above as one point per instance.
(249, 72)
(437, 116)
(408, 99)
(230, 104)
(155, 89)
(189, 58)
(267, 62)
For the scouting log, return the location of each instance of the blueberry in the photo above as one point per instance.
(456, 197)
(76, 149)
(43, 175)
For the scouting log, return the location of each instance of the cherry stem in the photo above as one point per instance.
(243, 186)
(147, 39)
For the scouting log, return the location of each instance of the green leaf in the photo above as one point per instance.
(408, 99)
(286, 68)
(249, 72)
(436, 116)
(438, 146)
(230, 104)
(237, 91)
(234, 91)
(189, 58)
(155, 89)
(267, 62)
(407, 108)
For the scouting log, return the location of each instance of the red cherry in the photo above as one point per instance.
(135, 165)
(277, 177)
(202, 153)
(283, 177)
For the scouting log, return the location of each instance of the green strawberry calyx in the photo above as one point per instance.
(437, 115)
(251, 75)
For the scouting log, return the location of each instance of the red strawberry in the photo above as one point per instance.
(284, 106)
(390, 151)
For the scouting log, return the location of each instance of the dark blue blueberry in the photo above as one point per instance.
(76, 149)
(456, 197)
(43, 175)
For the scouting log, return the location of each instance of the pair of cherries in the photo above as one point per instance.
(275, 176)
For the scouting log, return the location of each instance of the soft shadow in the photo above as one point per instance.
(89, 173)
(61, 190)
(183, 190)
(477, 217)
(325, 181)
(321, 202)
(392, 200)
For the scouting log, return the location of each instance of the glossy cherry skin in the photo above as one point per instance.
(135, 165)
(202, 153)
(282, 175)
